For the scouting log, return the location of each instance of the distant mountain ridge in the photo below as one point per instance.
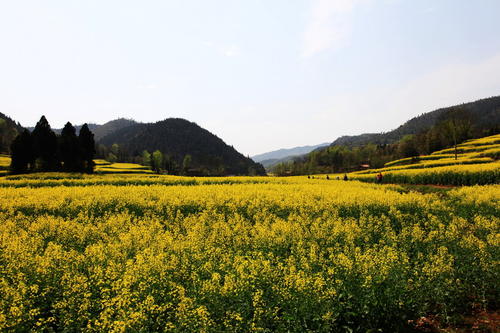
(286, 152)
(100, 131)
(268, 164)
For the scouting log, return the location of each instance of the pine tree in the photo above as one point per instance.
(87, 148)
(22, 155)
(45, 146)
(70, 149)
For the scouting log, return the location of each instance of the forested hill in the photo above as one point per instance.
(483, 113)
(101, 131)
(8, 131)
(176, 138)
(422, 135)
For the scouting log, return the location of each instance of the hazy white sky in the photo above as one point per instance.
(260, 74)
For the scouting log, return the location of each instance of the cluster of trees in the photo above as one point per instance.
(43, 150)
(336, 159)
(451, 128)
(164, 163)
(454, 127)
(158, 161)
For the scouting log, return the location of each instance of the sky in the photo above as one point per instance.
(260, 74)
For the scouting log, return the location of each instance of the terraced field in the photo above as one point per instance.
(104, 167)
(476, 163)
(4, 164)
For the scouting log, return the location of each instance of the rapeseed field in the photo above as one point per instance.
(127, 253)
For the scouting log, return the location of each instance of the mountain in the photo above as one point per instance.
(101, 131)
(286, 152)
(177, 138)
(484, 113)
(8, 131)
(268, 164)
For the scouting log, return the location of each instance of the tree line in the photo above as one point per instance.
(452, 127)
(164, 163)
(157, 161)
(44, 151)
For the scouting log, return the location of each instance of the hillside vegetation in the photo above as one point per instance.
(484, 113)
(175, 139)
(421, 135)
(9, 129)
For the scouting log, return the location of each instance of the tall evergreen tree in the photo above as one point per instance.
(70, 149)
(22, 155)
(45, 146)
(87, 148)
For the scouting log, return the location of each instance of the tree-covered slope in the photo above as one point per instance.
(436, 130)
(100, 131)
(484, 113)
(8, 131)
(178, 138)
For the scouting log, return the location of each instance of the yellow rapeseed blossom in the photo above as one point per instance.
(144, 252)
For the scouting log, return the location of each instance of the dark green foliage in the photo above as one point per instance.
(407, 147)
(8, 132)
(177, 138)
(45, 146)
(87, 148)
(23, 157)
(336, 159)
(170, 165)
(146, 158)
(101, 131)
(186, 164)
(156, 161)
(70, 149)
